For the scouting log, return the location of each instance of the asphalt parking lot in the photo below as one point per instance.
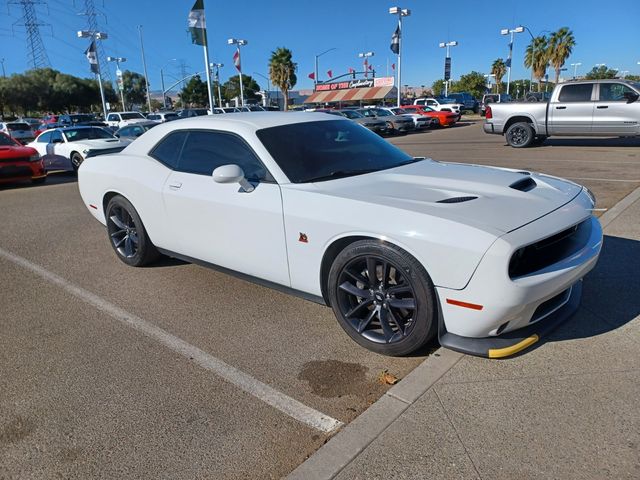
(109, 371)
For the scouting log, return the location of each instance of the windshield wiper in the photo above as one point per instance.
(341, 174)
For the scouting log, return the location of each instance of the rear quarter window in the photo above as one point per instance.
(576, 93)
(167, 151)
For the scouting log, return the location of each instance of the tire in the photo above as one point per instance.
(520, 135)
(393, 315)
(539, 140)
(38, 181)
(76, 160)
(391, 130)
(127, 234)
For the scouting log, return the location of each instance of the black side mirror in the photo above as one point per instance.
(631, 96)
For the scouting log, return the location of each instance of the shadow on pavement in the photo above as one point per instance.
(592, 142)
(52, 179)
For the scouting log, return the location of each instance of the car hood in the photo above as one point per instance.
(504, 199)
(16, 152)
(100, 143)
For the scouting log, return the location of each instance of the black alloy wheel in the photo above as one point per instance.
(520, 135)
(382, 297)
(76, 160)
(127, 234)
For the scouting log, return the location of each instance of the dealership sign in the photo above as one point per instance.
(361, 83)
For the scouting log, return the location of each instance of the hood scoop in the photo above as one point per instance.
(457, 199)
(524, 184)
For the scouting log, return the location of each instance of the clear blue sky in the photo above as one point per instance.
(606, 32)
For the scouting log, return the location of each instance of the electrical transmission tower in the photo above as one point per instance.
(92, 13)
(35, 48)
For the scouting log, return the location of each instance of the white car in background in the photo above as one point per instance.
(18, 130)
(162, 117)
(401, 248)
(420, 121)
(440, 104)
(121, 119)
(67, 148)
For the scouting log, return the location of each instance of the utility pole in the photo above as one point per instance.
(400, 12)
(92, 26)
(144, 66)
(95, 36)
(35, 47)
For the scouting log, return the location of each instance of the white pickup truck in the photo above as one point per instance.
(605, 108)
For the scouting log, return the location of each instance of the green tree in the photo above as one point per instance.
(601, 72)
(438, 87)
(561, 45)
(282, 71)
(537, 57)
(231, 88)
(194, 93)
(473, 82)
(135, 88)
(498, 68)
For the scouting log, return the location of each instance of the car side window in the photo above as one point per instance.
(580, 92)
(125, 132)
(137, 131)
(167, 150)
(613, 92)
(45, 137)
(56, 135)
(112, 118)
(203, 152)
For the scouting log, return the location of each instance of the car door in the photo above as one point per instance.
(40, 143)
(572, 112)
(221, 223)
(613, 114)
(56, 157)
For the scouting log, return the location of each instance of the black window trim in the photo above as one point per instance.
(269, 178)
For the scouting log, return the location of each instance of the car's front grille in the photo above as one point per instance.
(12, 171)
(14, 159)
(547, 308)
(546, 252)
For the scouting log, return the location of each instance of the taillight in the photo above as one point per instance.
(487, 112)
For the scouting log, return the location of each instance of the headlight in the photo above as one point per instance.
(34, 158)
(591, 196)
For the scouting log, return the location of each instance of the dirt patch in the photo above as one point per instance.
(16, 430)
(332, 378)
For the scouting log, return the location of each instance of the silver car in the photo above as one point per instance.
(375, 125)
(395, 123)
(20, 131)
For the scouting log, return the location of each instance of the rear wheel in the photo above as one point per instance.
(520, 135)
(127, 234)
(382, 297)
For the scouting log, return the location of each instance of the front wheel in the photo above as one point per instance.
(520, 135)
(382, 297)
(127, 234)
(76, 160)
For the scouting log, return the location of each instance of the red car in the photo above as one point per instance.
(18, 162)
(445, 119)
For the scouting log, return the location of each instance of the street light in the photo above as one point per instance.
(488, 77)
(315, 78)
(216, 78)
(239, 43)
(365, 62)
(575, 69)
(93, 35)
(120, 80)
(506, 31)
(447, 63)
(400, 12)
(164, 98)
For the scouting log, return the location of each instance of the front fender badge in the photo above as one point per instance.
(303, 238)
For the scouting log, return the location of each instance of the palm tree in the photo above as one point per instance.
(282, 70)
(561, 44)
(537, 56)
(498, 69)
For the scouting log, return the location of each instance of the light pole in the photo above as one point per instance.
(144, 67)
(239, 43)
(266, 97)
(575, 69)
(365, 62)
(164, 98)
(120, 80)
(488, 77)
(506, 31)
(315, 79)
(94, 36)
(216, 78)
(447, 64)
(400, 12)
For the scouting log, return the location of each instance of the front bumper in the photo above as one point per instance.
(507, 310)
(21, 170)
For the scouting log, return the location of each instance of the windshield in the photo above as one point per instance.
(379, 112)
(325, 150)
(400, 111)
(81, 118)
(18, 126)
(6, 141)
(351, 114)
(131, 116)
(77, 134)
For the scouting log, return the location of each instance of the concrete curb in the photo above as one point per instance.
(615, 211)
(338, 452)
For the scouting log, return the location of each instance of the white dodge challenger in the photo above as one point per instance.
(401, 248)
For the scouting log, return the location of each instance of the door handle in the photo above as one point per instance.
(561, 108)
(175, 185)
(602, 106)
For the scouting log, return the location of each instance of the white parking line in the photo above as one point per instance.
(261, 391)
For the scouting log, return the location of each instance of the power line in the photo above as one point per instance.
(36, 52)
